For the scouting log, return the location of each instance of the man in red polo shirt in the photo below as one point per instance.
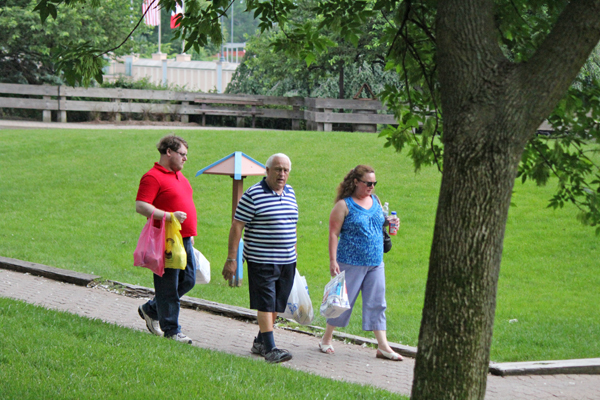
(162, 190)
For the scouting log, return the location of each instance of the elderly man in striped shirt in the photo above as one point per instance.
(268, 214)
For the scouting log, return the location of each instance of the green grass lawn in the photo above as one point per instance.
(47, 354)
(67, 200)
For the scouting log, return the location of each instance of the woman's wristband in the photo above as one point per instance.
(231, 259)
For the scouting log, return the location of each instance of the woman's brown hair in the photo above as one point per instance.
(347, 186)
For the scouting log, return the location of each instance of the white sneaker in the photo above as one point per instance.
(152, 324)
(180, 337)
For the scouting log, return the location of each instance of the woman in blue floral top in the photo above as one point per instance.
(356, 247)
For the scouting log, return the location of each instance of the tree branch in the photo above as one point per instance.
(130, 33)
(402, 26)
(430, 86)
(557, 61)
(519, 14)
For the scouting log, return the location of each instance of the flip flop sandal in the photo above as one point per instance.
(326, 348)
(388, 356)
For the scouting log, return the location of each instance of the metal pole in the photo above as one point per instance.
(183, 41)
(220, 64)
(159, 18)
(128, 65)
(220, 76)
(222, 34)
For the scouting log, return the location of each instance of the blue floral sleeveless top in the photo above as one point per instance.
(361, 237)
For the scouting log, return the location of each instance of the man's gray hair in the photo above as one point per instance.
(278, 155)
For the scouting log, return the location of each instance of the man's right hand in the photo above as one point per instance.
(229, 269)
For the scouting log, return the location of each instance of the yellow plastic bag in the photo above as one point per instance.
(175, 255)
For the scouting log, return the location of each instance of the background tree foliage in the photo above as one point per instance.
(268, 72)
(338, 71)
(29, 48)
(244, 24)
(72, 40)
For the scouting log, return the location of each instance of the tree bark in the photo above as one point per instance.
(458, 315)
(341, 81)
(491, 107)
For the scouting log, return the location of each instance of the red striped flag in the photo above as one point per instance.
(152, 15)
(176, 16)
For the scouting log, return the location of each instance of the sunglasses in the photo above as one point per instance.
(369, 184)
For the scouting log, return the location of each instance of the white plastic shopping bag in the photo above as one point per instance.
(202, 267)
(299, 306)
(335, 297)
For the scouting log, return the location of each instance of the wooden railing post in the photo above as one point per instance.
(327, 127)
(185, 118)
(320, 125)
(311, 125)
(239, 121)
(47, 112)
(117, 114)
(296, 122)
(62, 109)
(365, 127)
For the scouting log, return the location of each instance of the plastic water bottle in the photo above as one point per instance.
(393, 224)
(386, 209)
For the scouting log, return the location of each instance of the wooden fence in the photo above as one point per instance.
(319, 114)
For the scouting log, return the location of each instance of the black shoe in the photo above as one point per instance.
(258, 348)
(277, 355)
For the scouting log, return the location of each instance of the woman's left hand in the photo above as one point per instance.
(392, 220)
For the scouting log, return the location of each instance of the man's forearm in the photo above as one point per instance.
(146, 209)
(235, 234)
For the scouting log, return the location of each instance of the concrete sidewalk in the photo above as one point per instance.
(350, 362)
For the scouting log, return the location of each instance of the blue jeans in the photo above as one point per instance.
(168, 289)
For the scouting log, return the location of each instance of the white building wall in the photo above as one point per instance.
(190, 75)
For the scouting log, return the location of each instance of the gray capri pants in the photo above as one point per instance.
(371, 282)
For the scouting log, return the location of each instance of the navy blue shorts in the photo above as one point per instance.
(270, 285)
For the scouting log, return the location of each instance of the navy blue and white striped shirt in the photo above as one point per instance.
(271, 219)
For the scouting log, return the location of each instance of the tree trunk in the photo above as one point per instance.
(490, 108)
(460, 297)
(341, 81)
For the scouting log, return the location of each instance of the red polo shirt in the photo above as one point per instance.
(169, 191)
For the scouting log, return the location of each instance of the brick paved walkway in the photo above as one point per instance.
(351, 362)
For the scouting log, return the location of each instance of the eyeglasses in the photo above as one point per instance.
(369, 184)
(182, 154)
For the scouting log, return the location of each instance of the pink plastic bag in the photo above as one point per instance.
(150, 249)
